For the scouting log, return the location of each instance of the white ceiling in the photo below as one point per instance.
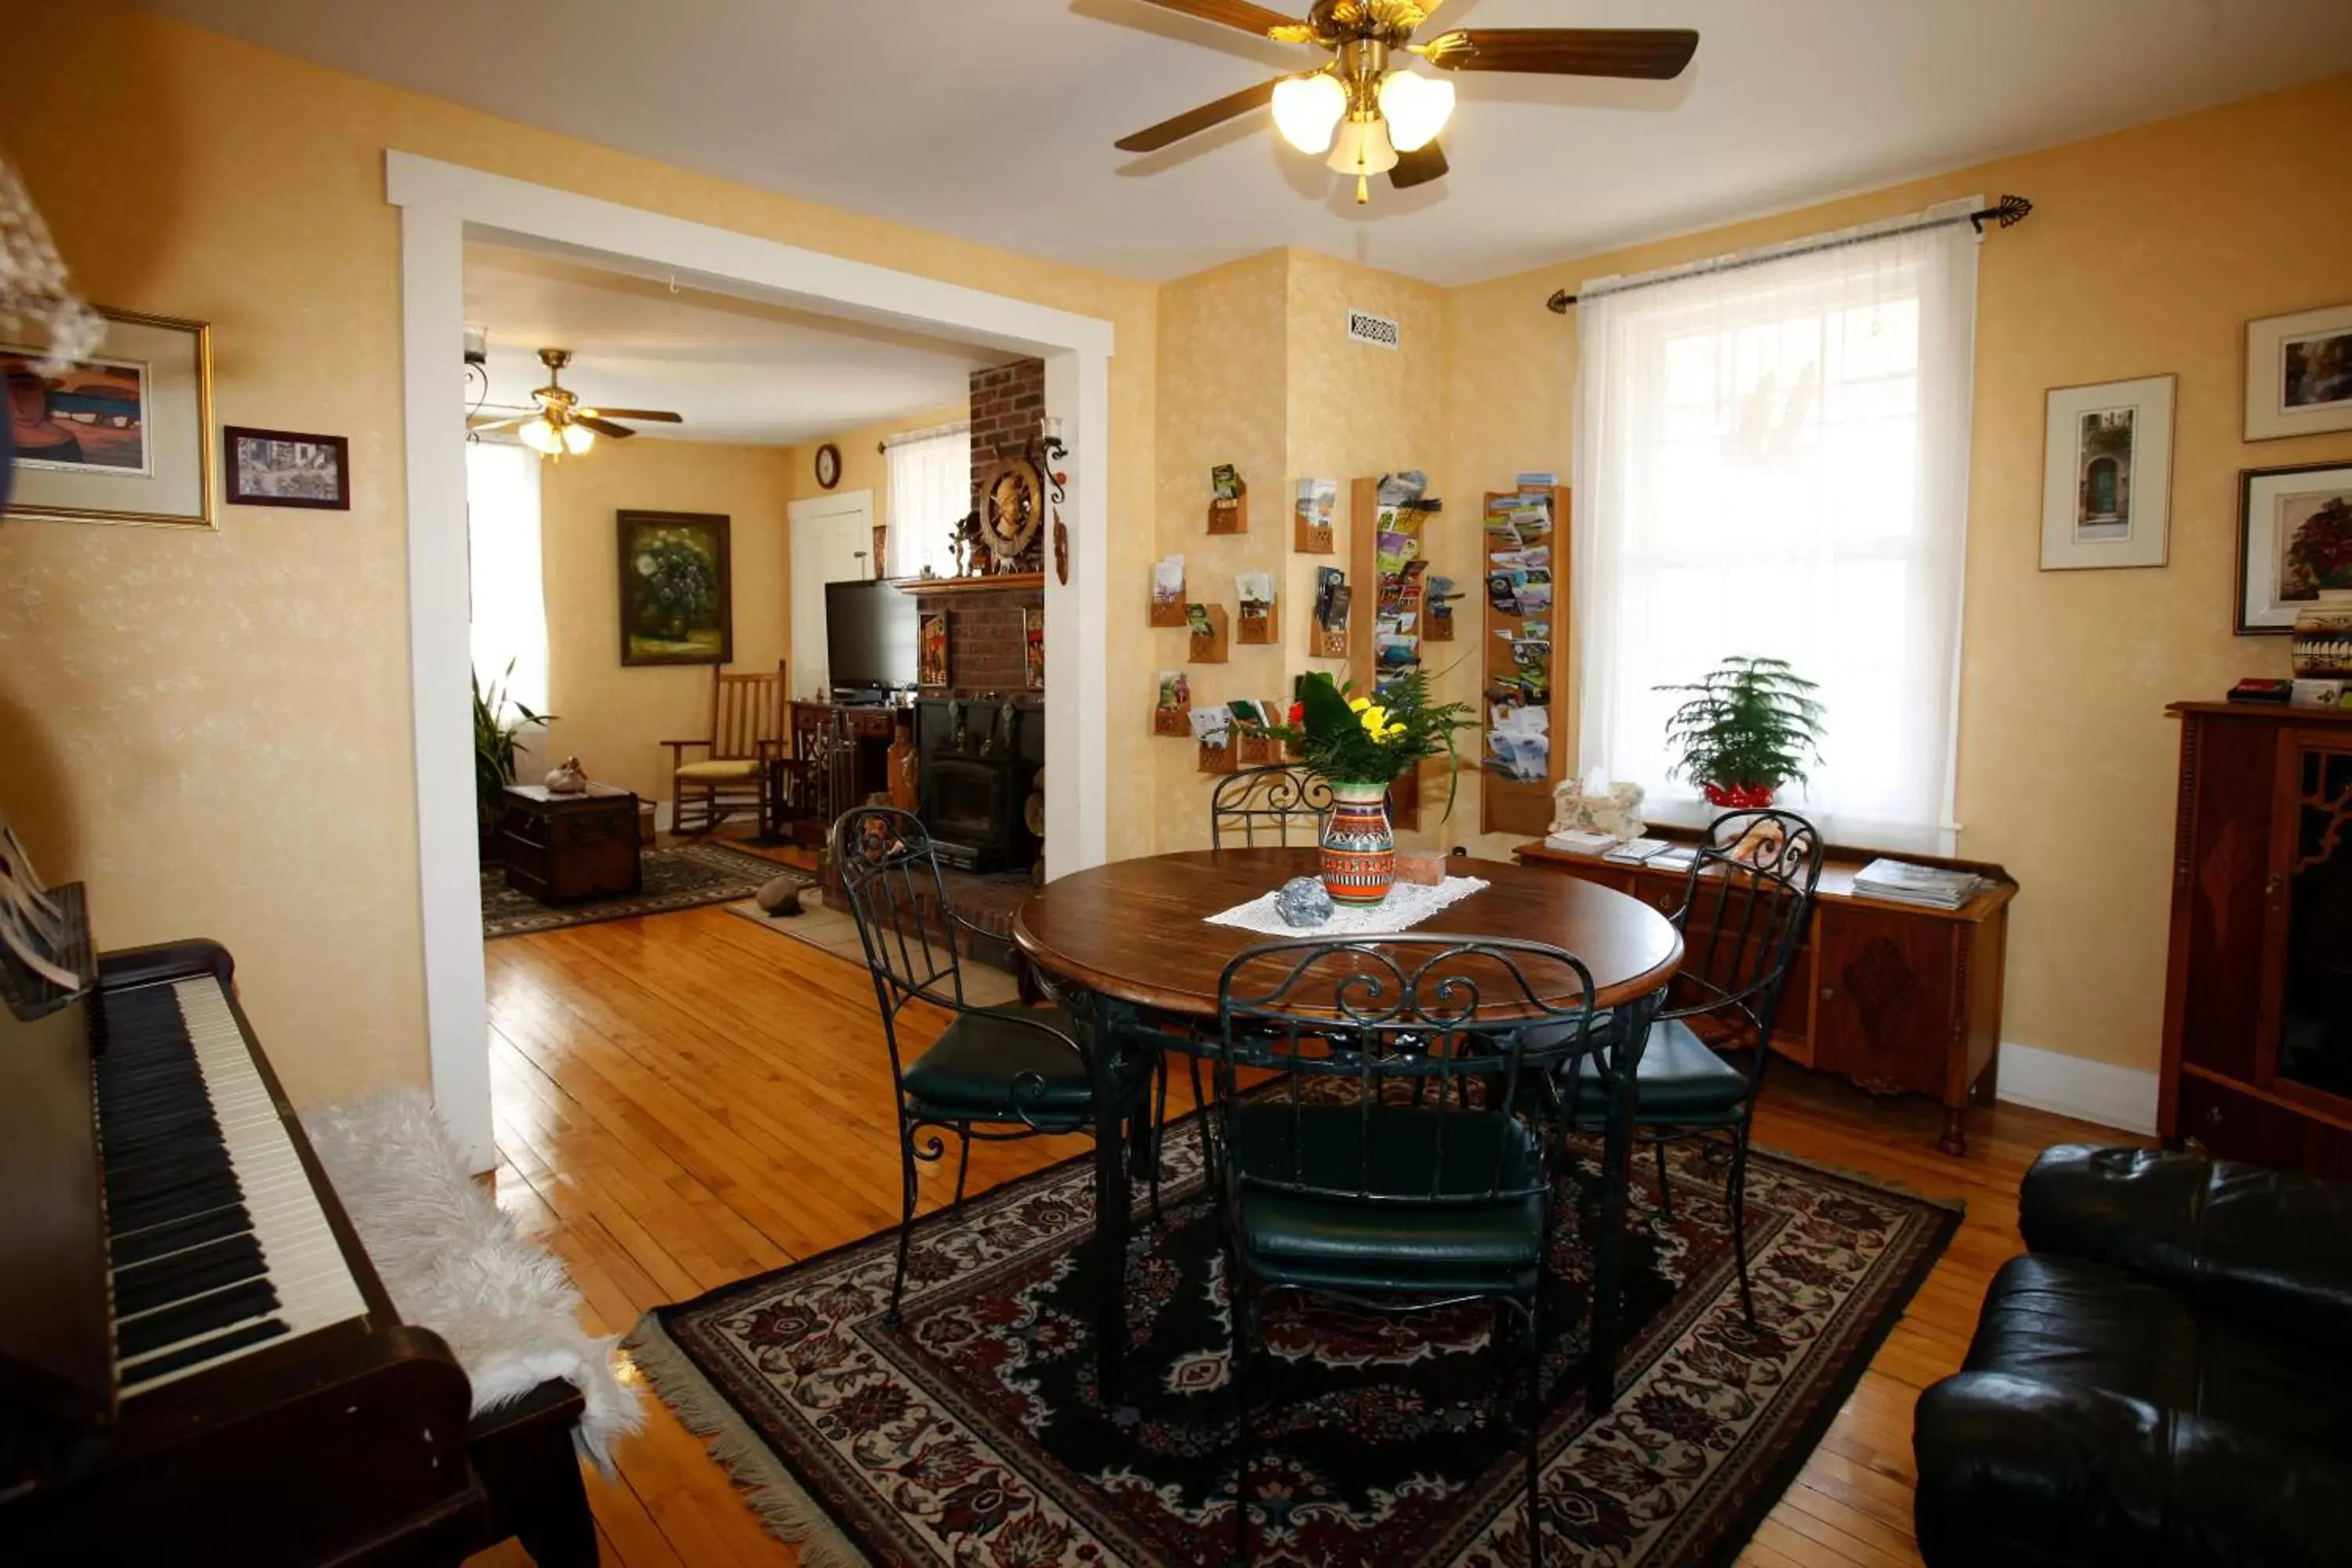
(737, 370)
(994, 119)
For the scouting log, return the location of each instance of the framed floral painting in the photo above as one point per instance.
(2295, 543)
(678, 594)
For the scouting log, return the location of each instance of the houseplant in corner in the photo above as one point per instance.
(1361, 747)
(494, 751)
(1744, 730)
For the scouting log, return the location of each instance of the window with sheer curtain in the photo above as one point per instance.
(510, 604)
(931, 491)
(1772, 459)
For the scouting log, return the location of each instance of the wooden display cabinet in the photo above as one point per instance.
(2258, 992)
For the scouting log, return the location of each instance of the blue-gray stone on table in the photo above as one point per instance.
(1303, 901)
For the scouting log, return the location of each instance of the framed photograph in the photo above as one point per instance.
(678, 594)
(2294, 540)
(283, 468)
(2106, 475)
(2299, 374)
(1033, 644)
(932, 649)
(122, 436)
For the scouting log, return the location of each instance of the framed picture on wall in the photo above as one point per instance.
(2299, 374)
(678, 593)
(2106, 475)
(285, 468)
(124, 435)
(2295, 542)
(1033, 644)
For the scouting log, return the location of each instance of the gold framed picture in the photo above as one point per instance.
(124, 435)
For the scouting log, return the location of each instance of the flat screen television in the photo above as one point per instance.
(870, 635)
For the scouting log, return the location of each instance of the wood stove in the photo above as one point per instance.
(977, 761)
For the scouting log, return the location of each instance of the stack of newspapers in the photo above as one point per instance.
(1908, 884)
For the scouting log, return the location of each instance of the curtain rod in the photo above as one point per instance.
(952, 428)
(2006, 213)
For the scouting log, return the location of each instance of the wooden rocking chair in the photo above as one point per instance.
(746, 728)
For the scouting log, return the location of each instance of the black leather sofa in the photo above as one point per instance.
(2165, 1378)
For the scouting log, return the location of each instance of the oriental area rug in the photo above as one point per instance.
(973, 1434)
(675, 877)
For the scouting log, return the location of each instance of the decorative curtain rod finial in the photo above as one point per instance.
(2008, 211)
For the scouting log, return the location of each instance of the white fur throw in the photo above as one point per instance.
(455, 1263)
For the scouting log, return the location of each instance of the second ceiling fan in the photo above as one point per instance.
(1373, 116)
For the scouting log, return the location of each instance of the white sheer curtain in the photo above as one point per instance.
(509, 603)
(930, 489)
(1772, 459)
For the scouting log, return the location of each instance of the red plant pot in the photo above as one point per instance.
(1739, 797)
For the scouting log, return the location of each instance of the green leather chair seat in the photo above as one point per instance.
(1333, 1243)
(1680, 1082)
(969, 1073)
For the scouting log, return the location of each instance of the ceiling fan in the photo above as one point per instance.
(561, 424)
(1376, 120)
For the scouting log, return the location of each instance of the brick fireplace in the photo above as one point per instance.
(987, 634)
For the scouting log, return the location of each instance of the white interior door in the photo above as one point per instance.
(832, 541)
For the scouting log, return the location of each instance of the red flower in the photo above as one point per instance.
(1297, 713)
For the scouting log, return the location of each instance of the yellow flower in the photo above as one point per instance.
(1358, 704)
(1376, 723)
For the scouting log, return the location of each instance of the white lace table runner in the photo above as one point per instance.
(1407, 905)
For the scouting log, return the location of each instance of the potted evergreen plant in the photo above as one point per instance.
(495, 747)
(1361, 746)
(1744, 730)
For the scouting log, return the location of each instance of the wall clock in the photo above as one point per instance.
(828, 464)
(1015, 508)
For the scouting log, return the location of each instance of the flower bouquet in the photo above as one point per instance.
(1361, 745)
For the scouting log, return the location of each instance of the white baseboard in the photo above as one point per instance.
(2112, 1096)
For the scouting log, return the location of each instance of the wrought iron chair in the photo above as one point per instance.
(1261, 804)
(996, 1073)
(1390, 1164)
(1746, 903)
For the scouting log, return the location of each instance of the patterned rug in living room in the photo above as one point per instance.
(972, 1433)
(675, 877)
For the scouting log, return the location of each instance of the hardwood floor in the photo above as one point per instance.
(686, 1100)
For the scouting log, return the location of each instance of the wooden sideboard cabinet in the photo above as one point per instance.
(2258, 993)
(1896, 998)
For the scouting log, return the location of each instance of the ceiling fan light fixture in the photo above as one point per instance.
(1417, 108)
(540, 436)
(1363, 149)
(577, 439)
(1306, 109)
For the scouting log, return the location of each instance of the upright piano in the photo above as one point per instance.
(197, 1361)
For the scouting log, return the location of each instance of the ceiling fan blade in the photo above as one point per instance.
(1192, 121)
(603, 427)
(1646, 54)
(1418, 167)
(661, 416)
(1239, 14)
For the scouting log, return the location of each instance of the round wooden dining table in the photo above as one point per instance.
(1128, 945)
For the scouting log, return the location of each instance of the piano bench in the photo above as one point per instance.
(522, 1451)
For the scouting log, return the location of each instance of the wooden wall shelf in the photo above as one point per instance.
(1524, 805)
(1004, 582)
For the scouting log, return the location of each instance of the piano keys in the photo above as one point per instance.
(198, 1361)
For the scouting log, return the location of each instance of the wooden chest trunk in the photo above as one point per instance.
(562, 848)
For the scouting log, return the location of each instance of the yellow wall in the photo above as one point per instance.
(213, 729)
(611, 717)
(2147, 252)
(863, 468)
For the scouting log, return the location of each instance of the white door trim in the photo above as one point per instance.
(815, 509)
(440, 205)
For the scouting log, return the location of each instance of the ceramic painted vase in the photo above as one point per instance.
(1358, 846)
(2321, 649)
